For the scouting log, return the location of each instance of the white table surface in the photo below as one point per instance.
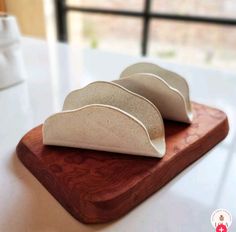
(185, 204)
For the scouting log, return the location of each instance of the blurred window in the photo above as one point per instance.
(202, 32)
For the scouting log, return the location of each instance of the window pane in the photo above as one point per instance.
(210, 8)
(197, 43)
(105, 32)
(109, 4)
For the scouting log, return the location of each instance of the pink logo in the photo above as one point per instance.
(221, 220)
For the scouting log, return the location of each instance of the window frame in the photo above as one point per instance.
(147, 15)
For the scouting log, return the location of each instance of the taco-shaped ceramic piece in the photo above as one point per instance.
(172, 86)
(103, 127)
(107, 94)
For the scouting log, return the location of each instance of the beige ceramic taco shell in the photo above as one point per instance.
(101, 127)
(168, 100)
(174, 80)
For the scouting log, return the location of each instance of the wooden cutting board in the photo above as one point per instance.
(97, 186)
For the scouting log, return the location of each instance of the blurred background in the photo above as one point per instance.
(199, 32)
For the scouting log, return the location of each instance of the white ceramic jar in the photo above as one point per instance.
(11, 62)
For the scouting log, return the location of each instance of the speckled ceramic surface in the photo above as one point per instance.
(125, 111)
(103, 127)
(167, 90)
(109, 93)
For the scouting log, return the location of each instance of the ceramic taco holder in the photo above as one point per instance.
(124, 118)
(77, 127)
(106, 116)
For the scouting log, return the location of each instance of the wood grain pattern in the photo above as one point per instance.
(97, 186)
